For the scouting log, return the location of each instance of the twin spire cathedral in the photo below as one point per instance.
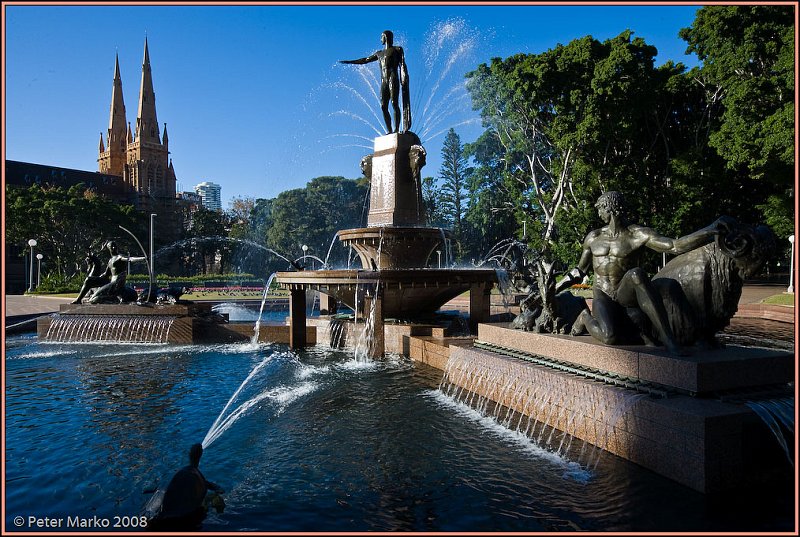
(141, 156)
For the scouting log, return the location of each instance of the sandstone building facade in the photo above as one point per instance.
(141, 155)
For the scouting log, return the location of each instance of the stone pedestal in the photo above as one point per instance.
(395, 196)
(374, 307)
(479, 304)
(702, 373)
(297, 318)
(327, 304)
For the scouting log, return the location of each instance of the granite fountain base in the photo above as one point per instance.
(183, 323)
(692, 426)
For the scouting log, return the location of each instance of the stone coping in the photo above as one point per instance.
(391, 232)
(727, 368)
(771, 312)
(389, 277)
(177, 310)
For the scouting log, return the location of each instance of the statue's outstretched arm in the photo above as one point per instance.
(688, 242)
(368, 59)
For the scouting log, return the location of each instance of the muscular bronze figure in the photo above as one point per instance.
(96, 277)
(618, 282)
(394, 74)
(117, 272)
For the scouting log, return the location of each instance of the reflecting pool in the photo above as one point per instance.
(332, 445)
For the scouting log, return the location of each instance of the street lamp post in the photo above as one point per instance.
(152, 261)
(31, 243)
(791, 267)
(440, 257)
(39, 270)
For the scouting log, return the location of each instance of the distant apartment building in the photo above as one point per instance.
(211, 194)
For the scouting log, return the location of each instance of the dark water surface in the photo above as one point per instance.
(333, 445)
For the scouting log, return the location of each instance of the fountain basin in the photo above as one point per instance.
(406, 293)
(394, 247)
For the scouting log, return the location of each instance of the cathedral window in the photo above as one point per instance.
(160, 178)
(151, 180)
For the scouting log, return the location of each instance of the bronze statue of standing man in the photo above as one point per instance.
(394, 74)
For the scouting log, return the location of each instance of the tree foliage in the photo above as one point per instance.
(589, 116)
(490, 215)
(67, 223)
(211, 249)
(432, 199)
(453, 195)
(308, 216)
(577, 120)
(748, 74)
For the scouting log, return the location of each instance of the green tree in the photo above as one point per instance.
(588, 117)
(211, 249)
(260, 220)
(252, 255)
(432, 199)
(67, 223)
(453, 197)
(748, 73)
(312, 215)
(490, 215)
(335, 203)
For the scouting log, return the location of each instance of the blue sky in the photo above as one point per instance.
(252, 95)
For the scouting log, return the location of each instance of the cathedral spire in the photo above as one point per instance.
(146, 121)
(111, 158)
(116, 120)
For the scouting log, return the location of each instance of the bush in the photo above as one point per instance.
(53, 283)
(164, 280)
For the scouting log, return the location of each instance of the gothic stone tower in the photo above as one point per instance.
(112, 160)
(141, 158)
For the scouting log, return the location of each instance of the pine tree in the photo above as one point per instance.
(453, 176)
(432, 198)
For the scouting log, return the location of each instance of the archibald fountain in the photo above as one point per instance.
(395, 279)
(702, 414)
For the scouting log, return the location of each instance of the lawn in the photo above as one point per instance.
(783, 299)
